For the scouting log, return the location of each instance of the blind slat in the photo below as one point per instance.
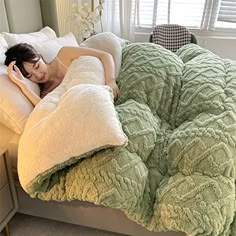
(181, 11)
(227, 11)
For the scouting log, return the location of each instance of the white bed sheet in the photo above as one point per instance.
(10, 140)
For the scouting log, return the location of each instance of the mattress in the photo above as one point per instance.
(10, 140)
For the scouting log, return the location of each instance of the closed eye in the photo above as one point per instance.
(36, 65)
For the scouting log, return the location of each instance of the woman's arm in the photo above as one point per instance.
(19, 80)
(68, 54)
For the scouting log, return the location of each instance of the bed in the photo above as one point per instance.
(75, 212)
(195, 177)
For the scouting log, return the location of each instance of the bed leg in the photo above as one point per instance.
(7, 230)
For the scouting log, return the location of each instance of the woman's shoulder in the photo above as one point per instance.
(68, 53)
(65, 56)
(67, 49)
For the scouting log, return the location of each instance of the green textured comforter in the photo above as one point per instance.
(178, 170)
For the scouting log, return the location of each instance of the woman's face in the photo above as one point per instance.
(37, 72)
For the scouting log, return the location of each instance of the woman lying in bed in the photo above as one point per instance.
(27, 63)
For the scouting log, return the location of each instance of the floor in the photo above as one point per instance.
(23, 225)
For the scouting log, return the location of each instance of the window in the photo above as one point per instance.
(227, 14)
(195, 14)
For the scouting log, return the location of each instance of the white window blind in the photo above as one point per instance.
(227, 12)
(198, 14)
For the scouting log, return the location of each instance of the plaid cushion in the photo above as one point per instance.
(171, 36)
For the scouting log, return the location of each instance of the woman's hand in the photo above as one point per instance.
(17, 77)
(112, 84)
(20, 80)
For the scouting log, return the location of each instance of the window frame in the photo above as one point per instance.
(216, 32)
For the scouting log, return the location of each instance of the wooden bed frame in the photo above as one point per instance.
(42, 13)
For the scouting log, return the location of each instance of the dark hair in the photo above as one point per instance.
(21, 53)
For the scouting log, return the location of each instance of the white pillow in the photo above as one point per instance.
(3, 48)
(109, 43)
(42, 35)
(14, 106)
(49, 49)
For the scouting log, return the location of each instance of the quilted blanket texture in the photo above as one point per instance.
(178, 170)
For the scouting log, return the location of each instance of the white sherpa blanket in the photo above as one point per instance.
(74, 120)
